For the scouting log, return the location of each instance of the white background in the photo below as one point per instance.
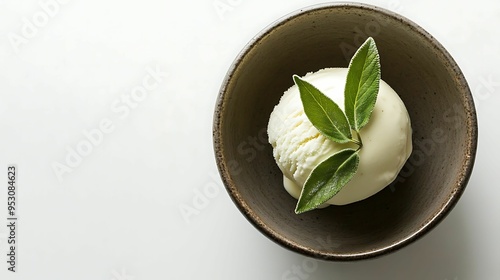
(115, 212)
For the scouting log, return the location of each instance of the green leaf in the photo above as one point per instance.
(362, 84)
(323, 112)
(327, 179)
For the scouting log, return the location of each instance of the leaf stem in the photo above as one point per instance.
(360, 141)
(357, 141)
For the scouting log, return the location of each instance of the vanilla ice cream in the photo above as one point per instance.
(298, 146)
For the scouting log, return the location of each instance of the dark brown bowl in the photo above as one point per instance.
(429, 82)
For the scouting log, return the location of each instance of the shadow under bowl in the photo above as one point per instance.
(416, 66)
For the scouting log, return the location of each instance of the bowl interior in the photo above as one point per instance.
(420, 71)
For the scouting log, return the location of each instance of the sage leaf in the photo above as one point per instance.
(362, 84)
(323, 112)
(327, 179)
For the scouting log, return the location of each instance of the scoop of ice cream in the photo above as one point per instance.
(298, 147)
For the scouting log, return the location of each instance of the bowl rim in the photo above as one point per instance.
(462, 177)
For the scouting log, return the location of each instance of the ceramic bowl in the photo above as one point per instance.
(420, 70)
